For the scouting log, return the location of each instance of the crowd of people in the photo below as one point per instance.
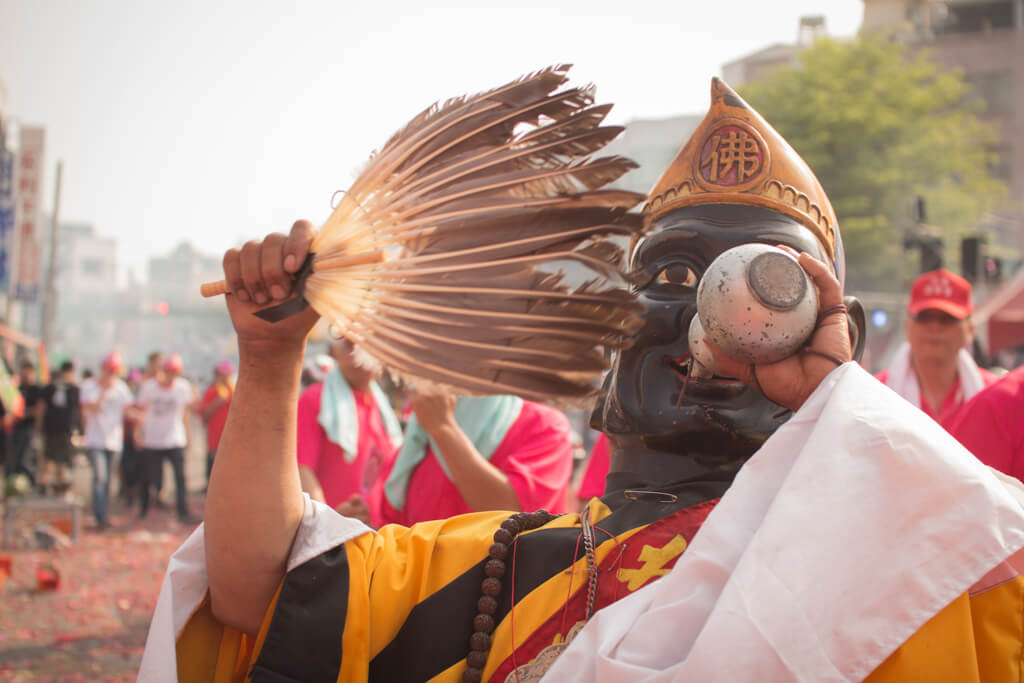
(378, 455)
(126, 424)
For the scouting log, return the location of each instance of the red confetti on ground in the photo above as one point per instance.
(93, 627)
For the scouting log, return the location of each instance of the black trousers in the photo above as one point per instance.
(152, 461)
(21, 457)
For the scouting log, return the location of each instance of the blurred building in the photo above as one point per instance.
(7, 207)
(85, 284)
(985, 40)
(96, 314)
(174, 279)
(174, 318)
(86, 264)
(757, 64)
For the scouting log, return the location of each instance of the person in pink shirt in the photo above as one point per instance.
(991, 425)
(214, 407)
(472, 454)
(933, 370)
(346, 428)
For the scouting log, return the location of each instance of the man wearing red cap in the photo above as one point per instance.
(934, 370)
(166, 403)
(103, 404)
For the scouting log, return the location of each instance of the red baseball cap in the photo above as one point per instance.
(942, 290)
(173, 363)
(112, 362)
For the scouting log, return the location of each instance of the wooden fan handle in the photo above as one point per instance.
(209, 289)
(345, 261)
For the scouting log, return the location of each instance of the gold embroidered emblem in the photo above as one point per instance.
(654, 561)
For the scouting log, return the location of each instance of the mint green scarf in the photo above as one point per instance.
(484, 420)
(338, 414)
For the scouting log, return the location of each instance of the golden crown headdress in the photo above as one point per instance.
(736, 157)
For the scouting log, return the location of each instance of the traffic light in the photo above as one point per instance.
(984, 262)
(930, 249)
(931, 254)
(971, 250)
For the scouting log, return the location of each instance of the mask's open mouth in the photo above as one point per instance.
(681, 366)
(702, 389)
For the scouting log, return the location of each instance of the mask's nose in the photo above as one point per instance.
(662, 322)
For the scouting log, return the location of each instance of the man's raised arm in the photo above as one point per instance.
(254, 501)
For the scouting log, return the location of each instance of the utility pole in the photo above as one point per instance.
(50, 291)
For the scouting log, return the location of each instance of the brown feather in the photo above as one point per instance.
(483, 205)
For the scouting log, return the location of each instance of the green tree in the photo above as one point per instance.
(880, 124)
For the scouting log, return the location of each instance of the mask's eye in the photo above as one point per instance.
(679, 275)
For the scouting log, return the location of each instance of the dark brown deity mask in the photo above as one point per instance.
(718, 422)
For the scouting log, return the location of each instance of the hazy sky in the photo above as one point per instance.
(216, 122)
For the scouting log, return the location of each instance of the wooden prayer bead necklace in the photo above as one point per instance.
(487, 605)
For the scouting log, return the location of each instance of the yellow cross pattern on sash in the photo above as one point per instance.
(654, 561)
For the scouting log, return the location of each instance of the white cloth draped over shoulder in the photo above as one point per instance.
(903, 380)
(185, 583)
(854, 524)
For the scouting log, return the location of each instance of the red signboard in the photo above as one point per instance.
(28, 201)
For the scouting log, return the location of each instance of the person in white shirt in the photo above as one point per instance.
(103, 402)
(166, 404)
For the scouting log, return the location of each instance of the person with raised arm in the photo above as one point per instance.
(775, 522)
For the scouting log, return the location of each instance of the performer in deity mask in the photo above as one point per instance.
(848, 507)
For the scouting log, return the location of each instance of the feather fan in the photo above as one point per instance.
(443, 259)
